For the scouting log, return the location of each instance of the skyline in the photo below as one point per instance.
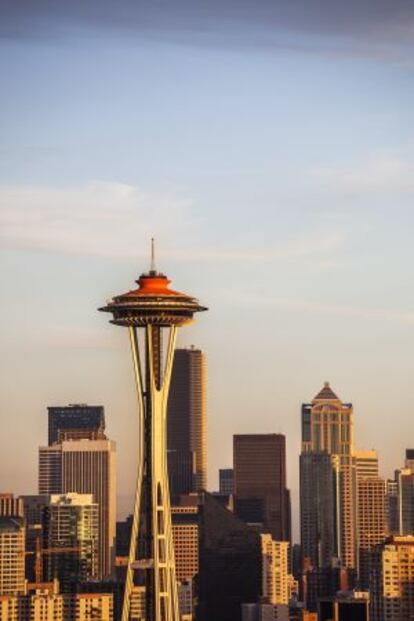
(274, 166)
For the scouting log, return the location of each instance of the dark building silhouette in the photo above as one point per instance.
(230, 563)
(123, 536)
(76, 422)
(186, 423)
(261, 496)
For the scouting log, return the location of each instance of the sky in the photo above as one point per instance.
(268, 146)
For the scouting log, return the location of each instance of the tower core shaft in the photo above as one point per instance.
(152, 314)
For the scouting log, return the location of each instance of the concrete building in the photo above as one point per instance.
(393, 580)
(275, 571)
(138, 606)
(185, 530)
(187, 424)
(327, 432)
(12, 553)
(91, 606)
(70, 540)
(85, 467)
(261, 496)
(44, 602)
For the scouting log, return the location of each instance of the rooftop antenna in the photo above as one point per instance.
(152, 268)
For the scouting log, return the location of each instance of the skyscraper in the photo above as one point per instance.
(371, 524)
(70, 539)
(85, 467)
(75, 422)
(319, 483)
(186, 426)
(327, 431)
(12, 547)
(259, 464)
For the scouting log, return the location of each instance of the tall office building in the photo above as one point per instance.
(75, 422)
(393, 579)
(186, 423)
(70, 539)
(327, 430)
(261, 497)
(372, 526)
(12, 548)
(85, 467)
(319, 484)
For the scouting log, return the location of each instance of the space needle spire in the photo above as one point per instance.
(152, 313)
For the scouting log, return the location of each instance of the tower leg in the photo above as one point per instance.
(152, 481)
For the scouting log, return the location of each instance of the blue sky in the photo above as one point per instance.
(269, 148)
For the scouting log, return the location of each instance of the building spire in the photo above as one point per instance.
(152, 266)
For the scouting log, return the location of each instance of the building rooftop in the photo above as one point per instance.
(326, 394)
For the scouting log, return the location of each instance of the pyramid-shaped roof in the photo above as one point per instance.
(326, 393)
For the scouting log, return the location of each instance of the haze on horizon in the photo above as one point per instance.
(268, 146)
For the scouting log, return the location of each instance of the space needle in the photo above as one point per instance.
(152, 313)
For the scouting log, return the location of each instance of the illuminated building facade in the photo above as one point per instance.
(327, 450)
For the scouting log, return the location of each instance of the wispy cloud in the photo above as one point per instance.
(334, 310)
(116, 220)
(98, 219)
(389, 172)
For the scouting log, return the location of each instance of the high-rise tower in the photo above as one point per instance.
(259, 463)
(328, 480)
(85, 467)
(151, 313)
(187, 433)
